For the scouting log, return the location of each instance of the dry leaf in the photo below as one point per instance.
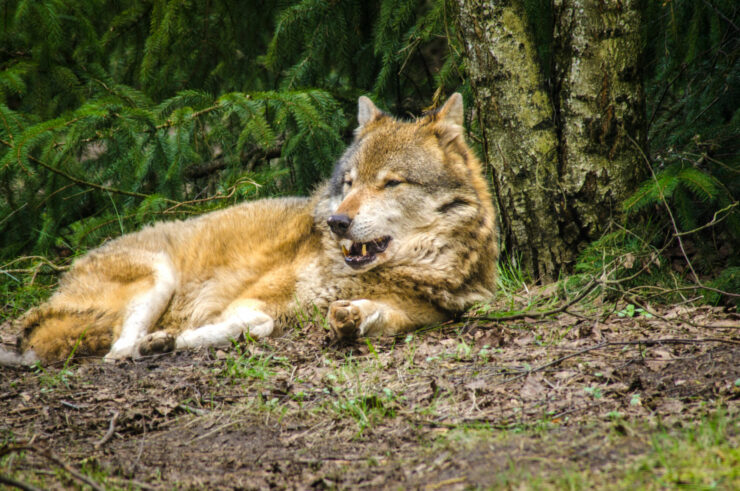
(524, 340)
(532, 388)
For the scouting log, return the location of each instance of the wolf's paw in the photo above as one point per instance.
(154, 343)
(118, 353)
(344, 319)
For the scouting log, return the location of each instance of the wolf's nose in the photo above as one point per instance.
(339, 224)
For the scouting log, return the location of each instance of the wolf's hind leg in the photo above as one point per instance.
(143, 311)
(349, 319)
(242, 316)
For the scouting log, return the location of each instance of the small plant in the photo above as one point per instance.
(371, 349)
(464, 351)
(484, 353)
(411, 348)
(248, 365)
(594, 392)
(366, 410)
(632, 311)
(511, 279)
(309, 314)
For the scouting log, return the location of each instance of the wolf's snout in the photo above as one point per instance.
(339, 224)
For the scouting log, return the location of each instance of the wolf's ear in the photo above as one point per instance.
(366, 111)
(452, 111)
(448, 120)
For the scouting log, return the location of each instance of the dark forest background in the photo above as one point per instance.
(115, 114)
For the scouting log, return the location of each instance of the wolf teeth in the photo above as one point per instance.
(345, 251)
(364, 249)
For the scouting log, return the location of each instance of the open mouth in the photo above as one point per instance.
(362, 253)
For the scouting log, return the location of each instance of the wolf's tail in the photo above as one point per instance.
(49, 334)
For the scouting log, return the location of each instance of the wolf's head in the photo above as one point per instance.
(407, 192)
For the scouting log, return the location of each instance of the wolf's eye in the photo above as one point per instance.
(348, 182)
(391, 183)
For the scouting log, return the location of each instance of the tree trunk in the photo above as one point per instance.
(516, 117)
(601, 106)
(562, 161)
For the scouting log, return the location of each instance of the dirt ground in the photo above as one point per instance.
(469, 404)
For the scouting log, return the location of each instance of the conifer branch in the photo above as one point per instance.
(83, 182)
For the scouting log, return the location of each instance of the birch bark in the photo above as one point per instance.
(560, 153)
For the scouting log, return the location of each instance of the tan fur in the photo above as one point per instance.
(251, 266)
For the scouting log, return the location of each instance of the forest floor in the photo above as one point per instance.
(597, 397)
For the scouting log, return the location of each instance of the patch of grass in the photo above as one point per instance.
(90, 467)
(410, 347)
(354, 388)
(704, 456)
(365, 409)
(50, 379)
(309, 315)
(246, 364)
(594, 391)
(513, 295)
(511, 279)
(31, 470)
(20, 294)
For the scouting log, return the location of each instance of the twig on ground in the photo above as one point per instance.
(42, 261)
(445, 483)
(216, 430)
(108, 434)
(607, 344)
(70, 405)
(17, 484)
(555, 362)
(230, 194)
(679, 320)
(720, 325)
(589, 287)
(49, 455)
(33, 270)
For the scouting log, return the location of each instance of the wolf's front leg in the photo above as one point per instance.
(349, 319)
(242, 316)
(144, 309)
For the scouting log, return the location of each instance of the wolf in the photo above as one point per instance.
(402, 235)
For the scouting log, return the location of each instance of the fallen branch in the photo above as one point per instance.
(232, 191)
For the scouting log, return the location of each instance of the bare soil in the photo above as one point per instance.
(469, 404)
